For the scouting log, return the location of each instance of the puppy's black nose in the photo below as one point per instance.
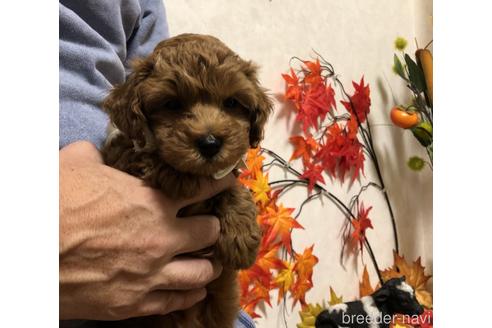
(209, 145)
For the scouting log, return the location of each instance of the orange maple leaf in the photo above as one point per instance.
(299, 290)
(281, 223)
(304, 263)
(303, 147)
(261, 292)
(293, 90)
(254, 160)
(244, 278)
(249, 308)
(313, 72)
(268, 259)
(365, 287)
(414, 276)
(254, 164)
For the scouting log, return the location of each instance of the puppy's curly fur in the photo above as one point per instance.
(192, 87)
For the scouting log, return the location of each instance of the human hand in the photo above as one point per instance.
(120, 242)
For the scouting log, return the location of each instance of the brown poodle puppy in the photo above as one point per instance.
(193, 108)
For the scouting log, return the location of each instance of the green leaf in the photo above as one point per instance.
(423, 133)
(416, 163)
(398, 67)
(415, 74)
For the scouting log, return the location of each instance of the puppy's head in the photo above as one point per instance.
(193, 101)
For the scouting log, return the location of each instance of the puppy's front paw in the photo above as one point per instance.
(240, 235)
(176, 184)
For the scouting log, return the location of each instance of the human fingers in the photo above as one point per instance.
(186, 273)
(163, 302)
(81, 151)
(194, 233)
(209, 187)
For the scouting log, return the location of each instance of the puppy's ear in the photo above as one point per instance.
(259, 116)
(263, 108)
(124, 106)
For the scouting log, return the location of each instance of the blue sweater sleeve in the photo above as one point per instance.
(98, 39)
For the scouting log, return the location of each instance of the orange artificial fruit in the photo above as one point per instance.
(404, 119)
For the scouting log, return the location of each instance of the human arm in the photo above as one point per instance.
(120, 242)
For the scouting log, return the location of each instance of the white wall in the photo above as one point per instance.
(357, 38)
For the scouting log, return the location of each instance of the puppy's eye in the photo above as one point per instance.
(231, 103)
(173, 104)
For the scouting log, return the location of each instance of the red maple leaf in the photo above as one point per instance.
(352, 128)
(307, 116)
(293, 90)
(303, 147)
(341, 153)
(313, 173)
(318, 101)
(360, 101)
(361, 224)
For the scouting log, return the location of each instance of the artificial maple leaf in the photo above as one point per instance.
(308, 315)
(261, 293)
(414, 276)
(307, 116)
(281, 223)
(299, 290)
(304, 263)
(399, 325)
(267, 259)
(318, 101)
(313, 174)
(424, 320)
(334, 299)
(361, 224)
(249, 308)
(293, 90)
(254, 163)
(341, 153)
(313, 72)
(365, 287)
(284, 279)
(244, 279)
(303, 147)
(260, 187)
(360, 102)
(352, 128)
(272, 202)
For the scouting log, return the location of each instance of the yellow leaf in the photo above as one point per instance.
(334, 299)
(308, 315)
(424, 297)
(284, 279)
(260, 188)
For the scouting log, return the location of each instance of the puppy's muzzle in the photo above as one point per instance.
(209, 145)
